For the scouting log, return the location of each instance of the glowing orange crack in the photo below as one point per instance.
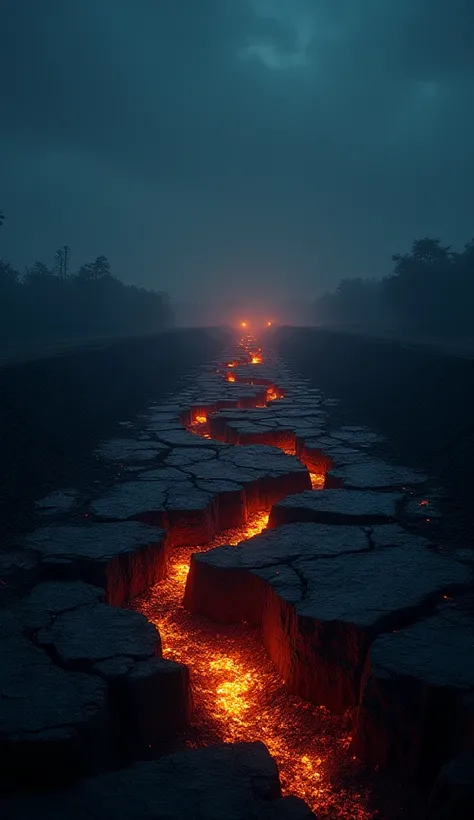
(239, 697)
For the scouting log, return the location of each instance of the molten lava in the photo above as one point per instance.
(273, 394)
(317, 481)
(230, 377)
(256, 357)
(238, 696)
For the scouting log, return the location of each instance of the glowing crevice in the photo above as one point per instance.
(238, 696)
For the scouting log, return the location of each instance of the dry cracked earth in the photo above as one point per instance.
(246, 623)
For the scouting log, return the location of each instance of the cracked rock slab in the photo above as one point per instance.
(184, 456)
(336, 507)
(233, 781)
(373, 474)
(357, 436)
(412, 710)
(61, 501)
(453, 793)
(322, 597)
(185, 512)
(130, 450)
(95, 633)
(125, 558)
(225, 584)
(181, 438)
(47, 600)
(193, 509)
(19, 569)
(151, 698)
(54, 724)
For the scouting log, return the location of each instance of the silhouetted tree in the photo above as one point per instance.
(62, 257)
(96, 270)
(49, 303)
(430, 291)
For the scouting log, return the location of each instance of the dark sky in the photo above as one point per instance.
(227, 143)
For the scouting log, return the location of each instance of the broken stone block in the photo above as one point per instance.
(278, 473)
(19, 569)
(453, 793)
(152, 701)
(373, 474)
(336, 507)
(85, 636)
(123, 558)
(411, 712)
(357, 436)
(134, 500)
(232, 781)
(47, 600)
(131, 450)
(54, 724)
(230, 501)
(58, 502)
(183, 456)
(220, 586)
(321, 595)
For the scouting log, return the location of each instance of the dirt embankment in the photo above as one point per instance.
(54, 410)
(421, 399)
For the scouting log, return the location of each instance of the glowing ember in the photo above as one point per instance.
(317, 481)
(230, 377)
(272, 394)
(201, 419)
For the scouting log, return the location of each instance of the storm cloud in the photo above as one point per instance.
(227, 145)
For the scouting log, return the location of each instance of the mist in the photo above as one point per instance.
(247, 158)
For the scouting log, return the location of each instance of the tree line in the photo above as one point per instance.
(54, 301)
(429, 292)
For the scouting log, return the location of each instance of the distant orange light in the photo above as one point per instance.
(243, 324)
(269, 324)
(230, 377)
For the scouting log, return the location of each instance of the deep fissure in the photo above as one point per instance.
(238, 695)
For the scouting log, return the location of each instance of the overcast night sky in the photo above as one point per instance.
(203, 145)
